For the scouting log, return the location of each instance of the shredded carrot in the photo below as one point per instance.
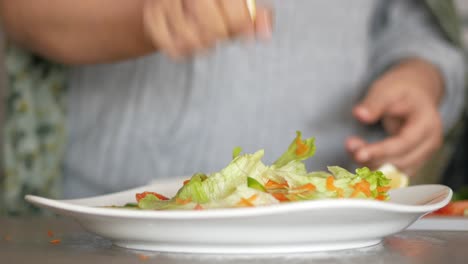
(364, 187)
(302, 148)
(143, 257)
(198, 207)
(274, 185)
(253, 197)
(331, 183)
(182, 201)
(280, 197)
(306, 187)
(55, 241)
(383, 188)
(142, 195)
(248, 202)
(186, 181)
(7, 238)
(245, 203)
(381, 197)
(50, 233)
(331, 186)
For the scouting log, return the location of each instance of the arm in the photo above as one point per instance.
(77, 32)
(99, 31)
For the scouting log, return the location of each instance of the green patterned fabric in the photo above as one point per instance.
(446, 14)
(34, 129)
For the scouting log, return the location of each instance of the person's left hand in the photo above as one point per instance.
(405, 99)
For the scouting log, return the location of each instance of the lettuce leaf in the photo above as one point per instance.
(298, 150)
(221, 184)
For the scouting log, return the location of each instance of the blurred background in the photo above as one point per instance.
(454, 168)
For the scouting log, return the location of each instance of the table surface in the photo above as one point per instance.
(29, 241)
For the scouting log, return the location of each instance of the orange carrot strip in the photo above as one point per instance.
(245, 203)
(331, 183)
(253, 198)
(50, 233)
(143, 257)
(280, 197)
(364, 187)
(383, 188)
(331, 186)
(274, 185)
(248, 202)
(142, 195)
(55, 241)
(198, 207)
(186, 181)
(381, 197)
(302, 148)
(306, 187)
(182, 201)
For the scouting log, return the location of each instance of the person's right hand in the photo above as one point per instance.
(181, 28)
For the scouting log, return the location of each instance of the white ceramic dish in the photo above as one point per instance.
(285, 228)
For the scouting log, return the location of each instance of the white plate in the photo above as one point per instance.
(285, 228)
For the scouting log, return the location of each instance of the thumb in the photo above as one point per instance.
(372, 108)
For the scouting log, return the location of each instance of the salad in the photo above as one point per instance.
(457, 207)
(247, 182)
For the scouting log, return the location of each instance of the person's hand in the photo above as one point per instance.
(405, 99)
(181, 28)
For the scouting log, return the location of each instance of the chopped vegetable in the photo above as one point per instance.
(461, 194)
(50, 233)
(55, 241)
(236, 152)
(298, 150)
(247, 182)
(457, 208)
(254, 184)
(142, 195)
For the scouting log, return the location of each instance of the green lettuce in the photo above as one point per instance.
(298, 150)
(221, 184)
(246, 181)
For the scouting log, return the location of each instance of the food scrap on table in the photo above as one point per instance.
(55, 241)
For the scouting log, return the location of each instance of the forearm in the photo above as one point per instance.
(77, 32)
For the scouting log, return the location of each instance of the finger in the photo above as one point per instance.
(354, 143)
(236, 16)
(392, 125)
(157, 27)
(183, 29)
(209, 19)
(373, 106)
(411, 135)
(264, 23)
(415, 159)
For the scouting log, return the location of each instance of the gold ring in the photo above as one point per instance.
(252, 6)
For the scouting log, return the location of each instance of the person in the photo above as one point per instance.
(162, 88)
